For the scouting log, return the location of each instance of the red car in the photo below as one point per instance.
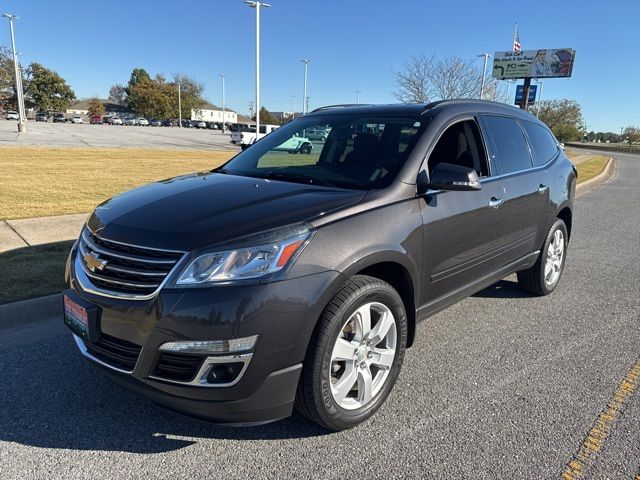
(96, 119)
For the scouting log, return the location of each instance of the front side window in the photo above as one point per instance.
(511, 146)
(460, 144)
(339, 150)
(543, 143)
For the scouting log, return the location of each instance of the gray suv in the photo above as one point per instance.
(282, 281)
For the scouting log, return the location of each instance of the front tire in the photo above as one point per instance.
(544, 276)
(355, 355)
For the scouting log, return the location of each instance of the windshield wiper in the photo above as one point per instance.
(298, 177)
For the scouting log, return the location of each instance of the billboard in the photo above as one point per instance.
(544, 63)
(533, 90)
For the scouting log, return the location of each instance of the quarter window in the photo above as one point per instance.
(510, 143)
(543, 143)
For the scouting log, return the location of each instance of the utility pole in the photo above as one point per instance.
(539, 99)
(22, 122)
(179, 108)
(305, 99)
(257, 5)
(357, 97)
(224, 122)
(293, 113)
(484, 73)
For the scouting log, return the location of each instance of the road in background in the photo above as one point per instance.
(85, 135)
(501, 385)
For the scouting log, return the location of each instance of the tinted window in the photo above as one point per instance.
(460, 144)
(543, 144)
(510, 143)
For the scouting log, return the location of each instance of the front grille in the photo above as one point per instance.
(115, 352)
(125, 269)
(178, 367)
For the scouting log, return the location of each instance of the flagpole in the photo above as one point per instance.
(515, 34)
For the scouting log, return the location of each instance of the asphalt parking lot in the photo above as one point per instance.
(501, 385)
(86, 135)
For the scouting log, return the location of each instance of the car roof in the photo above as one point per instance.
(452, 107)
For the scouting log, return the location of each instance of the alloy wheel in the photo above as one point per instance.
(363, 355)
(555, 254)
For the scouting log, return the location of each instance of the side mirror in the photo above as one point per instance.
(447, 176)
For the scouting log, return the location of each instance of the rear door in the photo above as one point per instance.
(463, 230)
(527, 186)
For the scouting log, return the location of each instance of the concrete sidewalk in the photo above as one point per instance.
(40, 230)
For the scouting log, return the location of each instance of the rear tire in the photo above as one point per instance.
(544, 276)
(354, 356)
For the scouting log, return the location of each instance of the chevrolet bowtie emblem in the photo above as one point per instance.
(94, 262)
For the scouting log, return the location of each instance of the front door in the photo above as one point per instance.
(463, 230)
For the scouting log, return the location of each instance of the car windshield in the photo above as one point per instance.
(354, 150)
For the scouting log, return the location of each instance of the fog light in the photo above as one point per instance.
(212, 347)
(224, 372)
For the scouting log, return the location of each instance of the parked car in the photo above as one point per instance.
(116, 121)
(59, 117)
(143, 122)
(285, 282)
(295, 144)
(95, 120)
(186, 124)
(107, 118)
(155, 122)
(42, 117)
(245, 138)
(168, 123)
(76, 119)
(130, 121)
(317, 134)
(12, 115)
(212, 125)
(199, 124)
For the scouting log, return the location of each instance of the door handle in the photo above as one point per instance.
(543, 188)
(495, 202)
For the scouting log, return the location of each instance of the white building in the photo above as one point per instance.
(213, 114)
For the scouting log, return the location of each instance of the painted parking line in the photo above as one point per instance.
(597, 436)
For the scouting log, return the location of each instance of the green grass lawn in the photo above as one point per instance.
(33, 271)
(591, 168)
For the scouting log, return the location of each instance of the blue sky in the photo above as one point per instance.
(352, 44)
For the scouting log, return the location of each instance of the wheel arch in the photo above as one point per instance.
(566, 215)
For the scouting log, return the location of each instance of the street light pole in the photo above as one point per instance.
(179, 108)
(484, 72)
(224, 123)
(305, 101)
(293, 113)
(257, 5)
(22, 122)
(357, 97)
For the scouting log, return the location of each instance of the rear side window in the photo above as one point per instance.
(543, 144)
(510, 143)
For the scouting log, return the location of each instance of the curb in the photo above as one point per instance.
(606, 173)
(25, 312)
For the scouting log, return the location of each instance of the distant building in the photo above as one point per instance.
(211, 113)
(285, 117)
(81, 107)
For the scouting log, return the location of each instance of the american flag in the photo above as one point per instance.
(517, 48)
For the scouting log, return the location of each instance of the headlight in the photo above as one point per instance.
(243, 263)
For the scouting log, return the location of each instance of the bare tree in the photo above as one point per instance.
(424, 79)
(118, 94)
(413, 82)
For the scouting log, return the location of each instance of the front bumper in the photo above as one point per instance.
(282, 313)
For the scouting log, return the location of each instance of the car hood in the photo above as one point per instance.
(201, 209)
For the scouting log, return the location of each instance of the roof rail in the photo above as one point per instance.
(342, 105)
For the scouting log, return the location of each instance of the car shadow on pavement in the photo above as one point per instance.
(50, 398)
(503, 289)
